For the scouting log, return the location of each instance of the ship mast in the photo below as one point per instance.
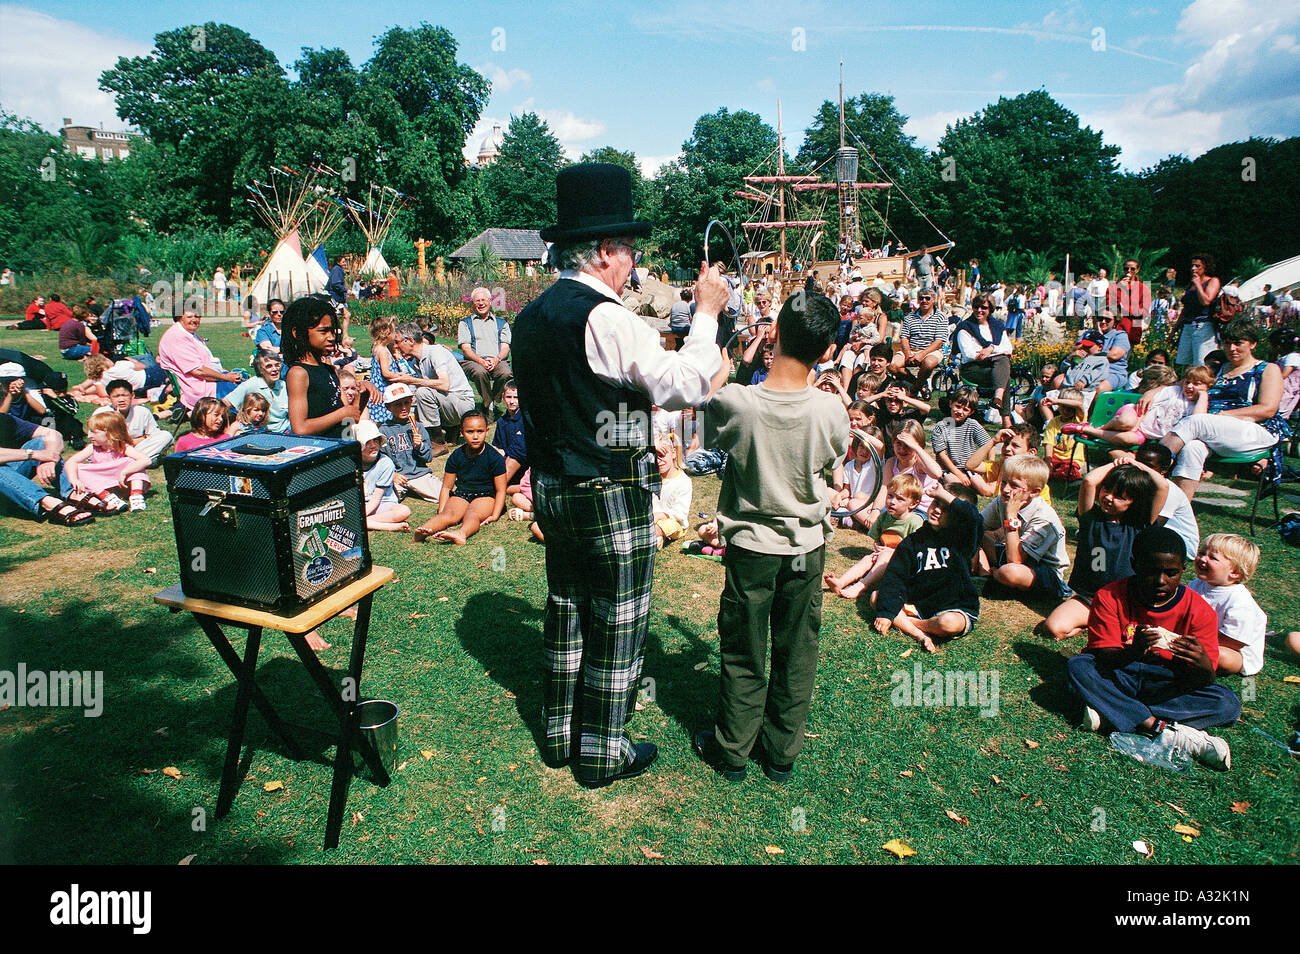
(846, 177)
(780, 192)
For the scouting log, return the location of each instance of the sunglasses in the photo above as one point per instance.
(280, 312)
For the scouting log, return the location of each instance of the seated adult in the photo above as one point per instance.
(1242, 416)
(75, 337)
(28, 403)
(484, 340)
(922, 338)
(34, 320)
(1115, 345)
(56, 313)
(266, 339)
(269, 383)
(182, 352)
(30, 460)
(985, 350)
(446, 394)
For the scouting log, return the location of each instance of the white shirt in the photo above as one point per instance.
(127, 371)
(140, 422)
(1240, 619)
(969, 346)
(1180, 518)
(674, 498)
(1168, 406)
(622, 349)
(859, 479)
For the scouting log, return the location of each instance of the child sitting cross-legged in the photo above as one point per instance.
(473, 486)
(855, 479)
(109, 463)
(985, 467)
(1162, 405)
(1224, 565)
(902, 495)
(1148, 666)
(1024, 540)
(383, 510)
(958, 436)
(927, 590)
(407, 443)
(910, 457)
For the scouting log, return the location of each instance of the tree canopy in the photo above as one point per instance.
(519, 187)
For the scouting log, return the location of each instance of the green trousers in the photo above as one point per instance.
(764, 595)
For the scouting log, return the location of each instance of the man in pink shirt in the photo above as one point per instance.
(181, 351)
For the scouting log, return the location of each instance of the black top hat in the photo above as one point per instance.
(594, 200)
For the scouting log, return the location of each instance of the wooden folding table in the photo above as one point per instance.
(211, 615)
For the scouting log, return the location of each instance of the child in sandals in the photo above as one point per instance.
(109, 463)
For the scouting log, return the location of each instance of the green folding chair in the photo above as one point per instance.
(1265, 486)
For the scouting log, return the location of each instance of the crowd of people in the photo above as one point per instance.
(601, 431)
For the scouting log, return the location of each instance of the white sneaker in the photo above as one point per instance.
(1207, 749)
(137, 503)
(1091, 719)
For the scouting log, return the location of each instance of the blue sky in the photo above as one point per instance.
(1155, 77)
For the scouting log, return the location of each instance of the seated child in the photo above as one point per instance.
(1064, 455)
(927, 590)
(954, 439)
(92, 390)
(866, 384)
(345, 354)
(473, 487)
(985, 468)
(890, 529)
(1163, 404)
(1024, 540)
(508, 437)
(854, 479)
(1031, 408)
(1115, 503)
(208, 423)
(107, 464)
(671, 507)
(1224, 565)
(141, 426)
(860, 415)
(252, 415)
(760, 374)
(407, 444)
(383, 510)
(1177, 513)
(907, 439)
(1152, 649)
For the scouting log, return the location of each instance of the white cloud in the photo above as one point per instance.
(49, 68)
(650, 164)
(504, 80)
(573, 131)
(929, 129)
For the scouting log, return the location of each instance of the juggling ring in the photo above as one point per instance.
(735, 251)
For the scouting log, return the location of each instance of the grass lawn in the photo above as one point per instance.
(457, 644)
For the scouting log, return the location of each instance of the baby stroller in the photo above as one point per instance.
(125, 323)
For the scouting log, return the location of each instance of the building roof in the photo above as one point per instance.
(491, 147)
(520, 245)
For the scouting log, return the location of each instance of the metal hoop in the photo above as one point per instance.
(735, 250)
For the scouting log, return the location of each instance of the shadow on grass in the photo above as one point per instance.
(90, 790)
(1051, 694)
(686, 695)
(503, 633)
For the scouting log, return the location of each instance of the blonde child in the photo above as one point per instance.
(902, 497)
(106, 465)
(1063, 457)
(854, 479)
(252, 414)
(671, 507)
(384, 511)
(1023, 548)
(473, 487)
(910, 457)
(1224, 565)
(92, 390)
(1163, 405)
(985, 466)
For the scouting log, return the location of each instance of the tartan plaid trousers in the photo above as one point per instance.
(600, 550)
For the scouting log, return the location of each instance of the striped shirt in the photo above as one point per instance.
(959, 440)
(923, 331)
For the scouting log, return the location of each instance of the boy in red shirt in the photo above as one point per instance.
(1152, 648)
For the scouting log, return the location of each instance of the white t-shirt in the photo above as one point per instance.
(1240, 619)
(1042, 536)
(859, 478)
(666, 422)
(1168, 406)
(674, 498)
(1180, 518)
(140, 422)
(127, 371)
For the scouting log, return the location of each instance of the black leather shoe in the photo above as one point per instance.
(707, 748)
(646, 753)
(777, 773)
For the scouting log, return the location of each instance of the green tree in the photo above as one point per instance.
(1022, 173)
(724, 148)
(519, 188)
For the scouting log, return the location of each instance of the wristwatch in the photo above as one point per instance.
(1015, 523)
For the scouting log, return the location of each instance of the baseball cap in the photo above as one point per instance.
(366, 431)
(12, 369)
(1090, 337)
(397, 392)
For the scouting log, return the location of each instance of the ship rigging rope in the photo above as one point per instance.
(880, 168)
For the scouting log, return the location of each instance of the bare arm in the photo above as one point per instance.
(1266, 398)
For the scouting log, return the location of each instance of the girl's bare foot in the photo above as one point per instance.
(315, 641)
(350, 612)
(403, 527)
(829, 579)
(852, 591)
(449, 536)
(422, 534)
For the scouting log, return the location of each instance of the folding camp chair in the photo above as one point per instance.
(1265, 486)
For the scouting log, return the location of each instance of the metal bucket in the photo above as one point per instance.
(377, 725)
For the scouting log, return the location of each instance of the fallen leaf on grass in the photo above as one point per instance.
(426, 753)
(418, 616)
(261, 814)
(357, 817)
(147, 771)
(700, 667)
(273, 787)
(187, 859)
(1241, 808)
(540, 861)
(154, 569)
(774, 850)
(172, 771)
(402, 766)
(906, 773)
(1291, 678)
(812, 735)
(1143, 849)
(996, 780)
(509, 694)
(905, 654)
(1031, 744)
(1177, 809)
(898, 848)
(649, 852)
(443, 599)
(1187, 830)
(959, 819)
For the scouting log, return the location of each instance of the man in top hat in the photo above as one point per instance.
(587, 370)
